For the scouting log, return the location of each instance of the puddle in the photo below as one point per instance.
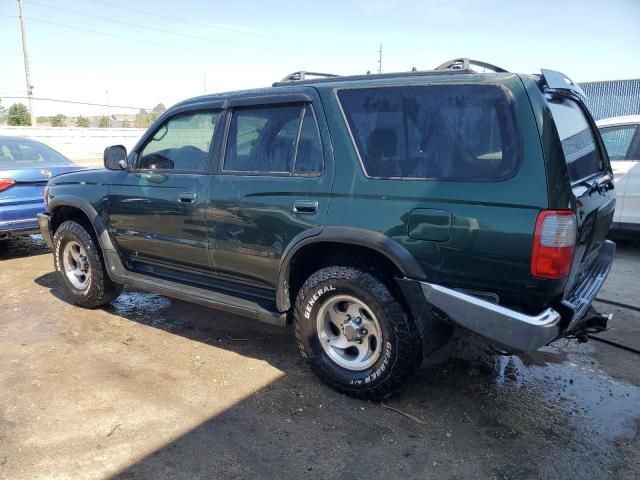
(142, 307)
(566, 380)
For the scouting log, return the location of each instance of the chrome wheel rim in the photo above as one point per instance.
(349, 332)
(76, 265)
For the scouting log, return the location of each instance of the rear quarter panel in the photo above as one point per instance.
(492, 222)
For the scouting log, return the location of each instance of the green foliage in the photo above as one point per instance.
(144, 118)
(82, 122)
(3, 113)
(18, 115)
(58, 120)
(104, 122)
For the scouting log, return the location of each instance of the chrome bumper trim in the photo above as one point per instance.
(506, 328)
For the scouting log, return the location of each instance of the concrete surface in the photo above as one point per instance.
(156, 388)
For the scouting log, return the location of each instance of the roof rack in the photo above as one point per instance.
(302, 75)
(465, 64)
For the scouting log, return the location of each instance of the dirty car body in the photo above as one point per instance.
(379, 212)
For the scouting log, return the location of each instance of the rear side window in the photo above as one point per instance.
(449, 132)
(578, 144)
(617, 141)
(280, 139)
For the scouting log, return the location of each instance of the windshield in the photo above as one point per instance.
(18, 153)
(578, 144)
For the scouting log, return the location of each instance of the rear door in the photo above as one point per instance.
(588, 172)
(623, 146)
(273, 184)
(157, 208)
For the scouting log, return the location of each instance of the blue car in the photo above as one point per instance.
(25, 168)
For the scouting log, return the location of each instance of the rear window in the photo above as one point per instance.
(449, 132)
(578, 144)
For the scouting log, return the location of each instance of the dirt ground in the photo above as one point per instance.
(152, 387)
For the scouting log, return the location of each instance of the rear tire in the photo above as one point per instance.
(355, 335)
(79, 262)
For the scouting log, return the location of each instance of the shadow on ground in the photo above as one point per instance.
(553, 414)
(19, 247)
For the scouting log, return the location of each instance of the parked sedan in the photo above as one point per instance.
(621, 136)
(25, 168)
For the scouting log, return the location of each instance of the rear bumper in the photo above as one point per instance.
(516, 331)
(44, 220)
(17, 228)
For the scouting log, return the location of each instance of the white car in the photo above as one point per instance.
(621, 136)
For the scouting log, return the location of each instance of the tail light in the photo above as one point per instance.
(6, 183)
(553, 243)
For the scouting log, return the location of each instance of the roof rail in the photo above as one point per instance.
(302, 75)
(465, 63)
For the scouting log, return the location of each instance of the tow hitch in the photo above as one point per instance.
(594, 322)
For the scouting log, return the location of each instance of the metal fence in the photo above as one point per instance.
(613, 98)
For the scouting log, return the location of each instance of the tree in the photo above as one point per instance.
(82, 122)
(145, 118)
(18, 115)
(157, 111)
(3, 113)
(58, 120)
(104, 122)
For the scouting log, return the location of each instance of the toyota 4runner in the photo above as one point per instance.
(375, 212)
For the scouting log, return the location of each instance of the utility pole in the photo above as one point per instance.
(108, 109)
(27, 73)
(380, 59)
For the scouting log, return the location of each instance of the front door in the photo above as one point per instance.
(623, 146)
(157, 209)
(273, 183)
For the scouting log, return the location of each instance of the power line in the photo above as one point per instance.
(142, 27)
(201, 24)
(95, 32)
(77, 102)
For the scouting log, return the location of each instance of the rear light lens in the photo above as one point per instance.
(554, 241)
(6, 183)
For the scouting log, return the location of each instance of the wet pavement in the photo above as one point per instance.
(151, 387)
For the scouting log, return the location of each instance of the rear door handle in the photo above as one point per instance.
(187, 198)
(305, 206)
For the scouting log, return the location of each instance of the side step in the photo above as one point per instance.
(208, 298)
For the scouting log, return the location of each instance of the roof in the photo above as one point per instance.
(607, 122)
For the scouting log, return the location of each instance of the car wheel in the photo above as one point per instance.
(356, 336)
(79, 262)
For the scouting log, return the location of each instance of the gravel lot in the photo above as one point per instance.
(157, 388)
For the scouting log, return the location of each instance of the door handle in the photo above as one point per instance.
(187, 198)
(305, 206)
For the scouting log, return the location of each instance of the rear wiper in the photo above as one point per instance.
(596, 186)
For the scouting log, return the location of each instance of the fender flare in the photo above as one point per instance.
(391, 249)
(114, 266)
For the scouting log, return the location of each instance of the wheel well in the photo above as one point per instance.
(312, 258)
(63, 213)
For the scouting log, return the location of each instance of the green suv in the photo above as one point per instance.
(378, 213)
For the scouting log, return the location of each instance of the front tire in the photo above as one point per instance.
(79, 262)
(354, 333)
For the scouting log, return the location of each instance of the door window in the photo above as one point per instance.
(280, 139)
(182, 143)
(618, 141)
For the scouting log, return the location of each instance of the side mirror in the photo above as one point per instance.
(115, 157)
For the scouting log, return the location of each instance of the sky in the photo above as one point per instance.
(137, 53)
